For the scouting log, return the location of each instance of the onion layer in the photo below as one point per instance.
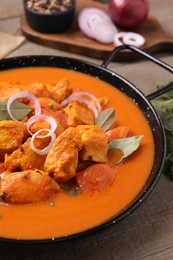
(77, 97)
(118, 38)
(135, 39)
(90, 95)
(129, 38)
(45, 150)
(27, 95)
(50, 120)
(82, 100)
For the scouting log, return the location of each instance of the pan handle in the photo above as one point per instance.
(138, 51)
(162, 64)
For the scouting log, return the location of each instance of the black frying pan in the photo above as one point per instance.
(128, 89)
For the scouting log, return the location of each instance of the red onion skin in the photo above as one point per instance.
(128, 14)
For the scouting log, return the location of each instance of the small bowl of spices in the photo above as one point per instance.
(49, 16)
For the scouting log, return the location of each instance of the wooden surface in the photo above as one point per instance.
(148, 232)
(73, 40)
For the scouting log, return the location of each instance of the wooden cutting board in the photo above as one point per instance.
(73, 40)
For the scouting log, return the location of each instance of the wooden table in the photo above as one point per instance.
(148, 232)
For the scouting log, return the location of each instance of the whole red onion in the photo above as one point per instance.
(128, 13)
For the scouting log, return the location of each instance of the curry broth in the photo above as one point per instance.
(69, 215)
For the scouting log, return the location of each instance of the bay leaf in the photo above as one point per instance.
(126, 145)
(18, 110)
(72, 192)
(106, 118)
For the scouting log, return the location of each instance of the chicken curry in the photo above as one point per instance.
(64, 163)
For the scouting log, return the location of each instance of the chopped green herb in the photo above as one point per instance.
(51, 106)
(51, 203)
(3, 196)
(38, 171)
(71, 191)
(25, 176)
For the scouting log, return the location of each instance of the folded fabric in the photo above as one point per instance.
(9, 43)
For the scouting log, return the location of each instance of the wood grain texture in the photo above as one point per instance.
(73, 40)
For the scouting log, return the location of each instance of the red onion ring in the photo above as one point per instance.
(118, 38)
(90, 95)
(24, 94)
(135, 39)
(2, 175)
(50, 120)
(129, 38)
(45, 150)
(82, 100)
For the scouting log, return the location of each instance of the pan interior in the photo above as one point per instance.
(128, 90)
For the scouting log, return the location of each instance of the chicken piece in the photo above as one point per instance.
(95, 177)
(62, 158)
(39, 89)
(53, 109)
(77, 114)
(28, 187)
(11, 136)
(61, 90)
(25, 158)
(8, 88)
(2, 172)
(2, 168)
(61, 118)
(41, 124)
(118, 133)
(25, 129)
(94, 143)
(104, 101)
(48, 104)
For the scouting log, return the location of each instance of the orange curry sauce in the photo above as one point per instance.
(70, 215)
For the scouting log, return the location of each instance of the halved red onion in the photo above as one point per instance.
(50, 120)
(97, 24)
(95, 18)
(27, 95)
(90, 95)
(104, 32)
(82, 100)
(83, 22)
(129, 38)
(45, 150)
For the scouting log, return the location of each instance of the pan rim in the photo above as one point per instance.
(34, 60)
